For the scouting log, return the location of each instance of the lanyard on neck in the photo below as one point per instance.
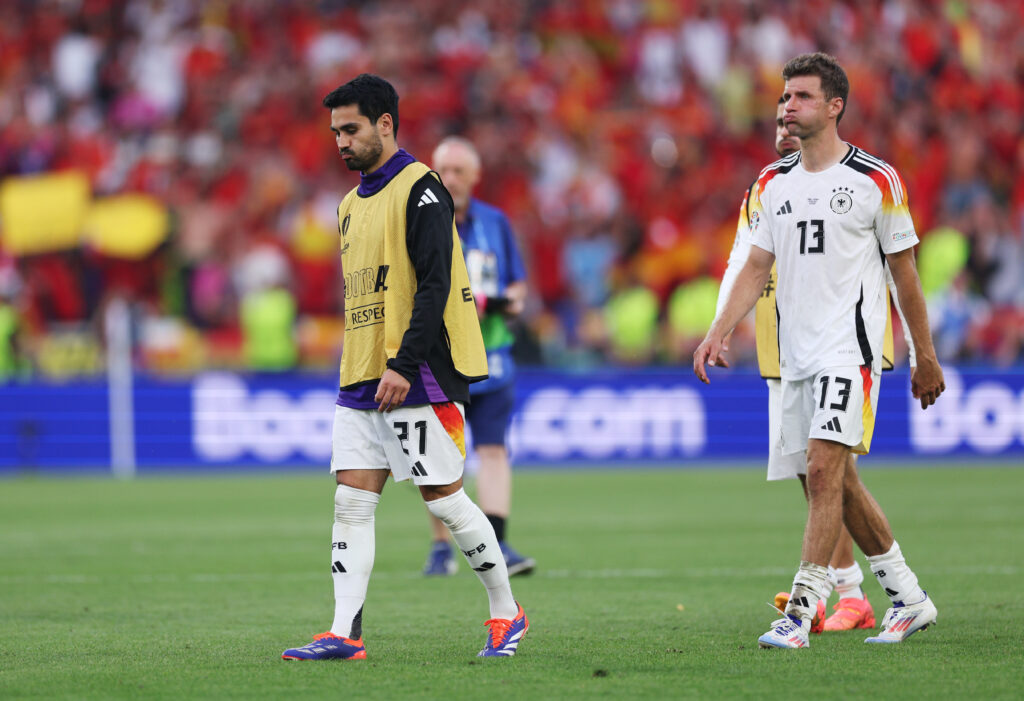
(477, 239)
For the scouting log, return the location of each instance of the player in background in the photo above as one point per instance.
(823, 214)
(853, 610)
(498, 279)
(412, 347)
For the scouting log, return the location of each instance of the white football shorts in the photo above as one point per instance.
(425, 442)
(837, 404)
(780, 467)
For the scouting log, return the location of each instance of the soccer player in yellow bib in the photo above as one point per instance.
(853, 610)
(412, 346)
(827, 214)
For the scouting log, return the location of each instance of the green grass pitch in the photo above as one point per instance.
(651, 584)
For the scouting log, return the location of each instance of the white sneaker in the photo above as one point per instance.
(901, 622)
(788, 631)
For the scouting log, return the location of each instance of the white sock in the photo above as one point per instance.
(809, 585)
(475, 537)
(896, 578)
(849, 581)
(831, 582)
(352, 549)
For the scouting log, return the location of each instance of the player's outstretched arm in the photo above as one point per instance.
(927, 382)
(737, 258)
(744, 293)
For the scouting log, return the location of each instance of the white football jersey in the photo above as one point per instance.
(828, 231)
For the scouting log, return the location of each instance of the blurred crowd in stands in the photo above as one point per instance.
(618, 135)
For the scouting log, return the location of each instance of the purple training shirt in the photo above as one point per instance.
(424, 390)
(372, 183)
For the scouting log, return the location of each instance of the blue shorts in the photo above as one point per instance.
(488, 414)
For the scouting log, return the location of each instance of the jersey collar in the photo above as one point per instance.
(372, 183)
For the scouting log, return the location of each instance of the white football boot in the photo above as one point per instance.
(901, 622)
(788, 631)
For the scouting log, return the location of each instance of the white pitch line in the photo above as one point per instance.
(640, 573)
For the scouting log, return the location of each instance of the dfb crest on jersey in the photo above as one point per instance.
(842, 201)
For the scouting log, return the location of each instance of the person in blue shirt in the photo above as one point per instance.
(498, 279)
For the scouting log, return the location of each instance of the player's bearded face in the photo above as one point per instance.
(364, 150)
(359, 142)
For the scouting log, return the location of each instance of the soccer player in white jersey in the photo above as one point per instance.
(853, 610)
(826, 215)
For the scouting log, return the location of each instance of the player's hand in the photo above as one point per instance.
(391, 391)
(926, 381)
(710, 352)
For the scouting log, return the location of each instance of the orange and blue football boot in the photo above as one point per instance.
(328, 646)
(505, 634)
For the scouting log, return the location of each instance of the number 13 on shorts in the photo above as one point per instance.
(837, 404)
(841, 388)
(845, 410)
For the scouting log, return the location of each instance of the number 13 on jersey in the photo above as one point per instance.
(817, 233)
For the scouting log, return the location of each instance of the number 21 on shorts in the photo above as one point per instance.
(402, 431)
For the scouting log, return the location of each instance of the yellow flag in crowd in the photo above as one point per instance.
(44, 213)
(126, 226)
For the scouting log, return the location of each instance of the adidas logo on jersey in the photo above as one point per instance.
(832, 425)
(784, 209)
(427, 198)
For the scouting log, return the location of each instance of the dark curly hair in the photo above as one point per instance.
(374, 96)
